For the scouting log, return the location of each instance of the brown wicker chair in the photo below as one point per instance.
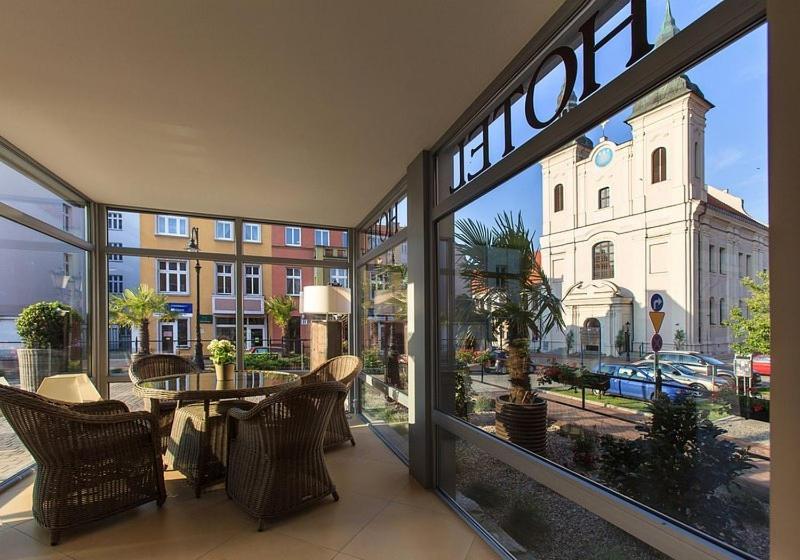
(343, 369)
(93, 460)
(275, 458)
(159, 365)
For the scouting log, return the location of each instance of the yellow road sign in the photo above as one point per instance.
(657, 317)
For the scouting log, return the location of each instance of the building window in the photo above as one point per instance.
(748, 266)
(293, 281)
(115, 283)
(67, 216)
(711, 254)
(67, 264)
(224, 278)
(723, 310)
(115, 221)
(172, 225)
(723, 261)
(252, 279)
(603, 260)
(604, 197)
(115, 257)
(712, 311)
(741, 265)
(322, 237)
(697, 161)
(558, 198)
(224, 230)
(252, 233)
(659, 165)
(344, 239)
(339, 277)
(173, 277)
(225, 327)
(292, 236)
(183, 333)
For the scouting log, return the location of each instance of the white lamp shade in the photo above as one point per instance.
(325, 300)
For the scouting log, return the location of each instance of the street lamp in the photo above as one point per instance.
(628, 339)
(194, 247)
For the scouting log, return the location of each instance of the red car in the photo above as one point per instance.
(762, 364)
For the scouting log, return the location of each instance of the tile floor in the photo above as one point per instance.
(382, 515)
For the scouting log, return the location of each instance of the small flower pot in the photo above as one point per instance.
(225, 372)
(522, 424)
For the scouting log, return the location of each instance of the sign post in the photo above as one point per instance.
(657, 319)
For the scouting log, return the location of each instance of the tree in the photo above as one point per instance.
(752, 329)
(501, 266)
(280, 309)
(570, 340)
(134, 309)
(679, 338)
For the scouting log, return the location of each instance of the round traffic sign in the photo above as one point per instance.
(656, 342)
(656, 302)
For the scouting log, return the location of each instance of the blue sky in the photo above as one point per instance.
(734, 80)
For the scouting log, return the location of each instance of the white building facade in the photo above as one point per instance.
(624, 221)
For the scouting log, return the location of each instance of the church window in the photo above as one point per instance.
(723, 310)
(723, 261)
(558, 198)
(603, 197)
(712, 311)
(603, 260)
(697, 161)
(659, 165)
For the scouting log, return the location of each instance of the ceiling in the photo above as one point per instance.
(304, 111)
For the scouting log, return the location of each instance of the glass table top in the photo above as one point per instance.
(242, 382)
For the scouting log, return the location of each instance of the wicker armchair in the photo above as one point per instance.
(92, 459)
(159, 365)
(343, 369)
(275, 457)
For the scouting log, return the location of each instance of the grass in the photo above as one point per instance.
(715, 410)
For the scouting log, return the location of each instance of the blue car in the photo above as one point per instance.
(636, 383)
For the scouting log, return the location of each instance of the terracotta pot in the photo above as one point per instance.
(224, 372)
(522, 424)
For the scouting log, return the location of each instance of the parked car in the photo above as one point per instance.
(637, 383)
(277, 350)
(762, 364)
(683, 375)
(698, 363)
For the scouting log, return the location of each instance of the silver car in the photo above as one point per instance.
(697, 362)
(685, 376)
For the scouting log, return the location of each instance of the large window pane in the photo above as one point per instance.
(545, 334)
(168, 230)
(44, 324)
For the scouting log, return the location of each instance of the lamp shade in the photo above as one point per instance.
(328, 300)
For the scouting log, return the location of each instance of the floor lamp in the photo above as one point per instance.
(327, 333)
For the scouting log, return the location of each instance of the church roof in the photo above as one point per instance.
(714, 202)
(677, 86)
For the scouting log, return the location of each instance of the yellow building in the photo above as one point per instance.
(177, 279)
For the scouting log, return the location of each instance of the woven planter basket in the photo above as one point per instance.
(522, 424)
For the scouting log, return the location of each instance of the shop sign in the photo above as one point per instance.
(182, 308)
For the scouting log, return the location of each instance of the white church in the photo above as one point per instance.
(624, 221)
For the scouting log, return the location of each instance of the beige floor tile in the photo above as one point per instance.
(413, 494)
(374, 478)
(268, 545)
(481, 551)
(173, 547)
(332, 524)
(343, 556)
(15, 502)
(18, 546)
(401, 532)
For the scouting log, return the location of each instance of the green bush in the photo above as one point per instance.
(268, 361)
(372, 358)
(483, 404)
(463, 382)
(45, 324)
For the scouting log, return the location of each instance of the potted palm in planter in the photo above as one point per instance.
(501, 267)
(44, 330)
(134, 309)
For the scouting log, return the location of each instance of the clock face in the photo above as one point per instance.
(603, 157)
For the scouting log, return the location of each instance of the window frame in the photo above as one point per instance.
(225, 223)
(178, 221)
(658, 165)
(604, 196)
(292, 278)
(293, 229)
(248, 226)
(115, 257)
(114, 222)
(597, 268)
(249, 278)
(116, 281)
(558, 198)
(226, 277)
(322, 235)
(177, 273)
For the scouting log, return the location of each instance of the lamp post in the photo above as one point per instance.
(628, 340)
(194, 247)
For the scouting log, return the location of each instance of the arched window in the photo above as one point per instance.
(604, 197)
(558, 198)
(712, 311)
(603, 260)
(723, 310)
(659, 165)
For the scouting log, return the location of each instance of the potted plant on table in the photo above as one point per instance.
(223, 355)
(502, 268)
(44, 328)
(133, 309)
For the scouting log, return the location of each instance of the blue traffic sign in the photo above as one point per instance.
(656, 342)
(656, 302)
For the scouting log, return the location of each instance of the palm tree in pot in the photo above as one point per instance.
(280, 309)
(133, 309)
(501, 267)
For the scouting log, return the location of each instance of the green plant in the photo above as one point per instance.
(570, 340)
(371, 358)
(280, 309)
(483, 404)
(484, 494)
(516, 295)
(619, 342)
(45, 324)
(463, 392)
(222, 352)
(678, 466)
(679, 338)
(134, 309)
(584, 449)
(752, 329)
(573, 377)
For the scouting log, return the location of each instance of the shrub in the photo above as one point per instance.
(483, 404)
(371, 358)
(44, 324)
(677, 466)
(584, 450)
(463, 382)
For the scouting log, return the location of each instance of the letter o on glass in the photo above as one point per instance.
(570, 61)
